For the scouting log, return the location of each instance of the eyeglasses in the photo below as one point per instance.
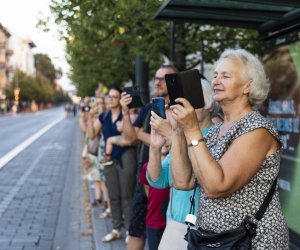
(159, 78)
(113, 97)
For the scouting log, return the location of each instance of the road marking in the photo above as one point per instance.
(17, 150)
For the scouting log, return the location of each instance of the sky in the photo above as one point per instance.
(21, 16)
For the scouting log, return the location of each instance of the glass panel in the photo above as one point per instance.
(283, 108)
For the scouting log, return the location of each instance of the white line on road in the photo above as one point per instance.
(17, 150)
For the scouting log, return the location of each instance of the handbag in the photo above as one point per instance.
(239, 238)
(93, 146)
(173, 236)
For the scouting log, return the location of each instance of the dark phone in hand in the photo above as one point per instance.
(158, 106)
(136, 98)
(86, 108)
(186, 84)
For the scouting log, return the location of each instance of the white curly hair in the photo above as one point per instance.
(254, 71)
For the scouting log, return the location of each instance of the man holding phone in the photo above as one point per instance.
(140, 131)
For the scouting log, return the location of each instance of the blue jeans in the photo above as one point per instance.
(154, 236)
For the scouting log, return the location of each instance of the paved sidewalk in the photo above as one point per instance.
(101, 227)
(73, 211)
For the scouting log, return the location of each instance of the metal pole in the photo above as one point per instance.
(142, 78)
(202, 55)
(172, 41)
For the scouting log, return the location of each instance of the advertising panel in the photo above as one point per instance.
(283, 108)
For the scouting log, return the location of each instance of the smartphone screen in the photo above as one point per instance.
(158, 106)
(136, 99)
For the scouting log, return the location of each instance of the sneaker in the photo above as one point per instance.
(115, 234)
(127, 237)
(105, 214)
(106, 160)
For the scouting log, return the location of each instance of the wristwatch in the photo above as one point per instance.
(195, 142)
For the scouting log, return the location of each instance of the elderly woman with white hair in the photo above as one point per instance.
(238, 161)
(159, 173)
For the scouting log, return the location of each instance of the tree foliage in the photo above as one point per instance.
(35, 88)
(44, 66)
(103, 37)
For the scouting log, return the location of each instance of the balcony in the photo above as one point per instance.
(9, 52)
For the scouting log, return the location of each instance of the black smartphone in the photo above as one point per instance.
(158, 106)
(86, 108)
(136, 98)
(186, 84)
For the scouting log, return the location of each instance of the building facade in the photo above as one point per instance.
(23, 57)
(5, 67)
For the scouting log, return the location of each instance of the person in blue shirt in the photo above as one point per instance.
(120, 175)
(159, 175)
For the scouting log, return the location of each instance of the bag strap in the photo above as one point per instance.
(171, 198)
(259, 214)
(142, 147)
(262, 209)
(192, 198)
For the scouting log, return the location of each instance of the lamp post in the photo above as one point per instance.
(16, 91)
(17, 95)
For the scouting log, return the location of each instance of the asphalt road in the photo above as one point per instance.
(41, 197)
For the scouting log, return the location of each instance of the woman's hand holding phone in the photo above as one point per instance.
(184, 114)
(126, 99)
(161, 126)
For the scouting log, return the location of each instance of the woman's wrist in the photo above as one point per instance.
(125, 111)
(193, 135)
(155, 148)
(192, 131)
(178, 131)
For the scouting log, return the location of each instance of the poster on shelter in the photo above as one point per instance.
(283, 109)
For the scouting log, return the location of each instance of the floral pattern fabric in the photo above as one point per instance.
(228, 213)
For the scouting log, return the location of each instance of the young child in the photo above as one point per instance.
(116, 140)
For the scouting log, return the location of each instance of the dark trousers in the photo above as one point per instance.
(153, 237)
(120, 182)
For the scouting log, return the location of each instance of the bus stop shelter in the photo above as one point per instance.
(278, 25)
(273, 19)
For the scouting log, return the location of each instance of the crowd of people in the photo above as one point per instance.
(226, 156)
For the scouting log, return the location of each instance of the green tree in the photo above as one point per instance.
(44, 66)
(103, 37)
(32, 88)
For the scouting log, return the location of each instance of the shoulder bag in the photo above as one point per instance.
(234, 239)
